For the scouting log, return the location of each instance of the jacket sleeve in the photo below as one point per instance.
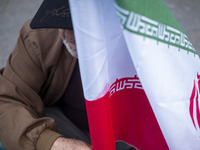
(21, 105)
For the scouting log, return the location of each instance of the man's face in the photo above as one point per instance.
(69, 41)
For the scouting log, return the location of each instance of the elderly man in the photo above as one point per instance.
(41, 100)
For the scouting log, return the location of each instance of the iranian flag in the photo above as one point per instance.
(140, 75)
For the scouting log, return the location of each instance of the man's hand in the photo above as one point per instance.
(70, 144)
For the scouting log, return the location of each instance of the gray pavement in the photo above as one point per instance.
(187, 13)
(13, 14)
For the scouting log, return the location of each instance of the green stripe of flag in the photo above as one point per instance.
(152, 19)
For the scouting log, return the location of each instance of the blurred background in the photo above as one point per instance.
(13, 14)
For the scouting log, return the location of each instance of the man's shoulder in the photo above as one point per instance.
(42, 41)
(42, 44)
(41, 34)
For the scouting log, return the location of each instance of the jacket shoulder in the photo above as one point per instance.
(44, 36)
(46, 49)
(42, 44)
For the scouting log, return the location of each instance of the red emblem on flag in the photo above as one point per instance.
(194, 103)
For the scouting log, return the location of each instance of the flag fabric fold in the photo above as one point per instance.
(140, 75)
